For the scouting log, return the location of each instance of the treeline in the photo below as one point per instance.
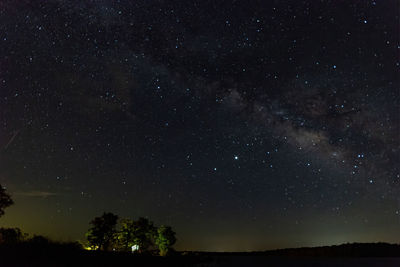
(14, 238)
(344, 250)
(108, 232)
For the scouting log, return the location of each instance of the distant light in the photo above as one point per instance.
(236, 157)
(91, 247)
(135, 248)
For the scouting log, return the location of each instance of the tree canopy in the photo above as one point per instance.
(144, 233)
(100, 236)
(139, 235)
(11, 235)
(5, 200)
(165, 239)
(126, 236)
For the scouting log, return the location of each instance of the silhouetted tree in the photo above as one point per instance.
(144, 231)
(138, 233)
(12, 235)
(126, 236)
(102, 232)
(5, 200)
(165, 239)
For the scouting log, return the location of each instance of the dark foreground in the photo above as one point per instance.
(345, 255)
(234, 261)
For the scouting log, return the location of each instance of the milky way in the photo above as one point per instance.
(280, 118)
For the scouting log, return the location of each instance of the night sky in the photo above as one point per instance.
(245, 125)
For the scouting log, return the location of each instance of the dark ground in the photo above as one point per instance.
(344, 255)
(223, 261)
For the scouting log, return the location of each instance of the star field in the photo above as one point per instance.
(245, 126)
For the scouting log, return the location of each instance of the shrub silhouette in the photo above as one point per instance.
(11, 236)
(39, 240)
